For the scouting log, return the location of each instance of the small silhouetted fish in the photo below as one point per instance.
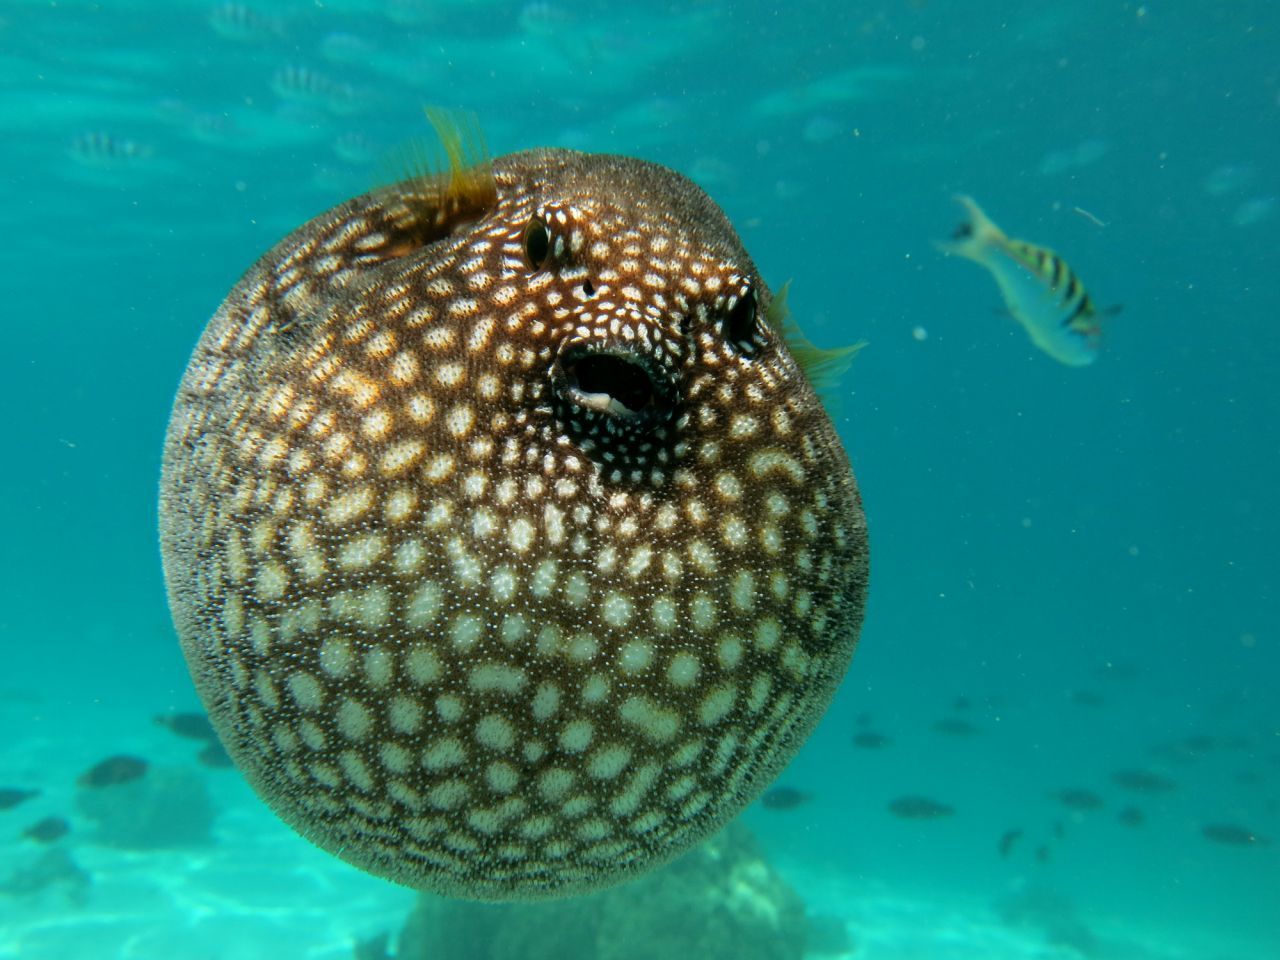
(919, 808)
(1059, 830)
(216, 757)
(10, 797)
(1131, 817)
(236, 21)
(1074, 798)
(374, 948)
(863, 719)
(962, 703)
(118, 769)
(1142, 781)
(98, 148)
(189, 726)
(785, 798)
(1231, 835)
(955, 727)
(47, 830)
(302, 84)
(1042, 853)
(355, 147)
(870, 740)
(1187, 749)
(1008, 840)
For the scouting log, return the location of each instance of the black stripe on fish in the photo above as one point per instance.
(1083, 308)
(1074, 289)
(1059, 268)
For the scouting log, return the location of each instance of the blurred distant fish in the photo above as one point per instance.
(1131, 817)
(1081, 155)
(346, 48)
(97, 148)
(11, 797)
(955, 727)
(355, 147)
(1008, 840)
(1142, 781)
(346, 99)
(822, 129)
(1074, 798)
(215, 756)
(1187, 749)
(48, 830)
(216, 129)
(189, 726)
(784, 798)
(1228, 178)
(1230, 835)
(709, 172)
(914, 807)
(243, 24)
(1254, 210)
(1040, 290)
(121, 768)
(303, 85)
(870, 740)
(846, 86)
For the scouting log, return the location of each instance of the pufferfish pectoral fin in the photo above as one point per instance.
(824, 366)
(436, 196)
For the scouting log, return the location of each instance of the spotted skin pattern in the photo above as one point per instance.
(456, 621)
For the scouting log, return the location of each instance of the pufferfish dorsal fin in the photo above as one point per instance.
(823, 366)
(437, 195)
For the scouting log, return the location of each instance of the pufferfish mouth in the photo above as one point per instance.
(612, 381)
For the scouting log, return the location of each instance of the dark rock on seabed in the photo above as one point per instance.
(721, 901)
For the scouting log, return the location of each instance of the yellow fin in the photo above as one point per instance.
(823, 366)
(442, 194)
(977, 237)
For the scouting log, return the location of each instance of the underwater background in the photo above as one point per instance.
(1072, 645)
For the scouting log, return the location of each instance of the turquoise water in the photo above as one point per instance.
(1084, 558)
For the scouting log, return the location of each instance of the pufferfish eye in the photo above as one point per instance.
(537, 244)
(740, 321)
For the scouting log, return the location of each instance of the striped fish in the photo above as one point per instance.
(1040, 289)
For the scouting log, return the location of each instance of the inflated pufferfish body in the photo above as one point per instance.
(511, 551)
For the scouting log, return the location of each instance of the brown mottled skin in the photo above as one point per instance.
(511, 556)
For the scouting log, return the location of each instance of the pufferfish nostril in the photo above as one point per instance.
(615, 382)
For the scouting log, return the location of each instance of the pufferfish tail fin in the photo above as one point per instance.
(439, 195)
(977, 238)
(823, 366)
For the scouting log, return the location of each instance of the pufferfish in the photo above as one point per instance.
(509, 545)
(1040, 289)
